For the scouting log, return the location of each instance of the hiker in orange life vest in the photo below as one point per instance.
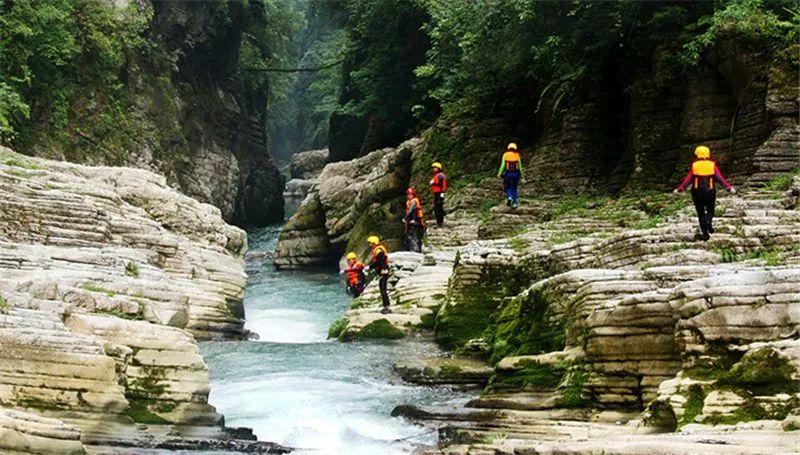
(356, 281)
(380, 265)
(438, 188)
(702, 176)
(414, 221)
(511, 172)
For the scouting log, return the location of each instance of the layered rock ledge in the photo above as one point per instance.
(107, 279)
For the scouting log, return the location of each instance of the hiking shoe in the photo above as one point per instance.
(705, 236)
(514, 205)
(385, 310)
(710, 229)
(508, 202)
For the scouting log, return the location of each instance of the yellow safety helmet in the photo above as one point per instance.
(702, 152)
(437, 165)
(373, 240)
(351, 256)
(512, 146)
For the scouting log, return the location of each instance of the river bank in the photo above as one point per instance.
(295, 387)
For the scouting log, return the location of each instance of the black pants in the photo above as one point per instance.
(383, 282)
(355, 289)
(704, 203)
(414, 234)
(438, 208)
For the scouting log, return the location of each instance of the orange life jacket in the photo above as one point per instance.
(437, 185)
(703, 173)
(420, 214)
(512, 160)
(355, 273)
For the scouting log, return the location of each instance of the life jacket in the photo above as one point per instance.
(380, 248)
(703, 173)
(511, 159)
(355, 274)
(439, 185)
(420, 215)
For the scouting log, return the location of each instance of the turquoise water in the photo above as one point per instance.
(296, 388)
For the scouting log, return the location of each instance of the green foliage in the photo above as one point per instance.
(21, 164)
(4, 305)
(132, 269)
(783, 182)
(762, 22)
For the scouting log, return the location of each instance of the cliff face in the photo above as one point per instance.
(108, 278)
(739, 103)
(182, 106)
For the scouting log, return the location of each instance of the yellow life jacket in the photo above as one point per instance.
(511, 159)
(703, 172)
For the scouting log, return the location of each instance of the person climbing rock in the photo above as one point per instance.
(356, 280)
(438, 188)
(702, 175)
(380, 265)
(511, 172)
(414, 221)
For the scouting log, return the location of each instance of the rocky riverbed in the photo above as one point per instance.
(592, 324)
(108, 278)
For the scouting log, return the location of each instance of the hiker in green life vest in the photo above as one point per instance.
(511, 172)
(703, 176)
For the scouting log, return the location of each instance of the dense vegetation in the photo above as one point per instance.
(375, 71)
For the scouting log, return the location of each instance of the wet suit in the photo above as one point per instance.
(380, 265)
(439, 187)
(356, 281)
(702, 176)
(511, 172)
(415, 225)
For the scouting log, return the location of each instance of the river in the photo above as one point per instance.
(297, 388)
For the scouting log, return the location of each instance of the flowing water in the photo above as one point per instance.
(295, 387)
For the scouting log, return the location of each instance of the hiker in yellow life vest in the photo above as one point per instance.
(380, 265)
(438, 188)
(414, 221)
(511, 172)
(702, 176)
(356, 281)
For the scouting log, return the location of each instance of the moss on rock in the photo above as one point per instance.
(380, 329)
(762, 372)
(338, 327)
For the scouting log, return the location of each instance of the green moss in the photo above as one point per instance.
(18, 173)
(470, 307)
(139, 411)
(528, 375)
(752, 410)
(20, 164)
(717, 360)
(99, 290)
(694, 404)
(4, 305)
(450, 370)
(526, 325)
(763, 372)
(783, 182)
(518, 244)
(338, 327)
(132, 269)
(148, 386)
(121, 314)
(380, 329)
(572, 394)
